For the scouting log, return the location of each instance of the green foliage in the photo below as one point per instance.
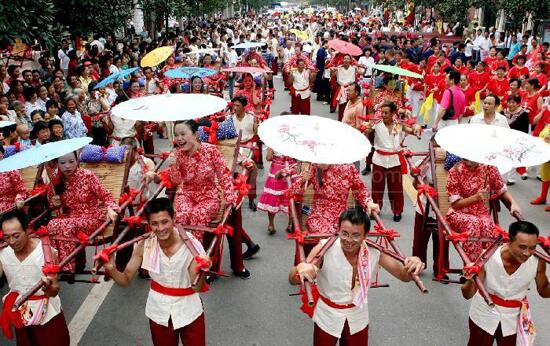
(516, 10)
(28, 20)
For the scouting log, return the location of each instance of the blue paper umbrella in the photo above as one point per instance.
(188, 72)
(115, 76)
(43, 153)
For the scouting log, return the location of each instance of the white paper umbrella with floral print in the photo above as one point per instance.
(314, 139)
(494, 145)
(169, 107)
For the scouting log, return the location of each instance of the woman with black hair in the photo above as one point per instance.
(83, 200)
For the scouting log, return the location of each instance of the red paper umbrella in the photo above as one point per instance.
(344, 47)
(246, 69)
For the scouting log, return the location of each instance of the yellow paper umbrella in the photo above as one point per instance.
(302, 35)
(156, 56)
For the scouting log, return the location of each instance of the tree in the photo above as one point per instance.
(517, 10)
(83, 17)
(29, 21)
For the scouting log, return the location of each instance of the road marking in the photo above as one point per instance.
(87, 311)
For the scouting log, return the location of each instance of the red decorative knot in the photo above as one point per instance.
(297, 236)
(50, 269)
(104, 255)
(165, 180)
(499, 231)
(133, 221)
(42, 231)
(223, 229)
(82, 238)
(202, 264)
(471, 269)
(461, 237)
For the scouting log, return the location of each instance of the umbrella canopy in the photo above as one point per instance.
(169, 107)
(115, 76)
(188, 72)
(494, 145)
(302, 35)
(345, 47)
(4, 123)
(314, 139)
(247, 45)
(43, 153)
(156, 56)
(396, 70)
(246, 69)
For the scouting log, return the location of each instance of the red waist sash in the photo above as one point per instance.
(402, 161)
(505, 303)
(9, 317)
(171, 291)
(335, 305)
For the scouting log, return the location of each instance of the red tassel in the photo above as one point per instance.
(499, 231)
(82, 238)
(50, 269)
(223, 229)
(165, 180)
(133, 221)
(202, 264)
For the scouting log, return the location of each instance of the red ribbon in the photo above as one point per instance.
(39, 189)
(104, 255)
(410, 121)
(164, 155)
(297, 235)
(308, 310)
(415, 171)
(291, 195)
(42, 231)
(140, 150)
(50, 269)
(461, 237)
(128, 196)
(367, 102)
(389, 233)
(202, 264)
(9, 317)
(544, 242)
(104, 153)
(133, 221)
(241, 185)
(165, 180)
(212, 132)
(82, 238)
(427, 190)
(471, 269)
(223, 229)
(499, 231)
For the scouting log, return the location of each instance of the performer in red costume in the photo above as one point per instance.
(12, 188)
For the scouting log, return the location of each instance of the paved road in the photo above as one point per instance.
(260, 312)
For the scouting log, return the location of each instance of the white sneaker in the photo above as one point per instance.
(524, 176)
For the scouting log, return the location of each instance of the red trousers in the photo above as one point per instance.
(191, 335)
(395, 186)
(421, 238)
(300, 106)
(53, 333)
(479, 337)
(321, 338)
(235, 244)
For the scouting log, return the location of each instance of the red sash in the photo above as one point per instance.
(9, 317)
(335, 305)
(402, 161)
(505, 303)
(171, 291)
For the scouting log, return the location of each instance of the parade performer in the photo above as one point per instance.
(386, 94)
(273, 199)
(12, 188)
(434, 83)
(388, 162)
(331, 185)
(253, 94)
(343, 278)
(545, 168)
(507, 276)
(80, 195)
(40, 320)
(470, 186)
(354, 108)
(292, 62)
(301, 81)
(345, 75)
(173, 307)
(195, 171)
(248, 124)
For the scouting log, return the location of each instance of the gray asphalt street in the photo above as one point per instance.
(260, 311)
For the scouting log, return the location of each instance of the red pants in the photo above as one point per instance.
(191, 335)
(300, 106)
(421, 238)
(395, 186)
(53, 333)
(321, 338)
(235, 244)
(479, 337)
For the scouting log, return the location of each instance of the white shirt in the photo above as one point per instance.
(367, 62)
(334, 281)
(151, 86)
(345, 76)
(31, 107)
(505, 286)
(246, 125)
(173, 274)
(301, 83)
(499, 120)
(123, 127)
(64, 59)
(383, 140)
(135, 177)
(22, 276)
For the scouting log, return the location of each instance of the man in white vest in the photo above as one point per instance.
(342, 310)
(301, 80)
(507, 276)
(40, 320)
(173, 307)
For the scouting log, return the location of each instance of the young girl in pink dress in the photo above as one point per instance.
(273, 199)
